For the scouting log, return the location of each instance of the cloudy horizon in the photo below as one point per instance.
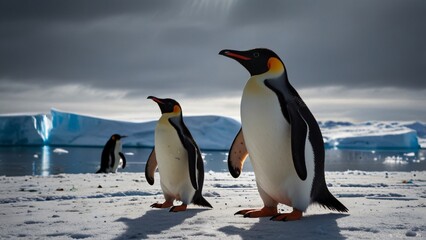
(349, 60)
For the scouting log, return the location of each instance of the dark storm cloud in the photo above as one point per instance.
(77, 10)
(351, 43)
(368, 44)
(56, 41)
(172, 46)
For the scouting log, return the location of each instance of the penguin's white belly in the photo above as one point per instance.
(117, 149)
(172, 159)
(116, 162)
(267, 137)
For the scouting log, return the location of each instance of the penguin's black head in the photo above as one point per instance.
(167, 105)
(256, 61)
(116, 137)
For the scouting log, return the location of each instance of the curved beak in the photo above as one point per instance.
(237, 55)
(157, 100)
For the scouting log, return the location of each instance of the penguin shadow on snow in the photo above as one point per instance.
(322, 226)
(154, 222)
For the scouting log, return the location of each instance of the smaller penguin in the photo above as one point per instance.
(111, 155)
(178, 158)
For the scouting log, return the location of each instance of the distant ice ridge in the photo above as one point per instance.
(373, 134)
(211, 132)
(23, 129)
(70, 129)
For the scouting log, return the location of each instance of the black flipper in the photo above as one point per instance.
(290, 105)
(195, 160)
(194, 154)
(279, 88)
(122, 158)
(298, 140)
(296, 112)
(237, 155)
(150, 167)
(320, 193)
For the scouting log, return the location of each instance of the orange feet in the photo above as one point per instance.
(295, 215)
(178, 208)
(255, 213)
(165, 204)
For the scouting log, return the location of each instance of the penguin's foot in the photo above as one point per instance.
(294, 215)
(255, 213)
(180, 208)
(165, 204)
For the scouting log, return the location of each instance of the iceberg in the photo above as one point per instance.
(61, 128)
(80, 130)
(371, 135)
(22, 129)
(70, 129)
(210, 132)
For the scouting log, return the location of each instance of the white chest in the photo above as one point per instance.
(167, 143)
(267, 135)
(172, 157)
(117, 149)
(266, 131)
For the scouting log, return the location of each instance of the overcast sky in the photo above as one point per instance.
(350, 60)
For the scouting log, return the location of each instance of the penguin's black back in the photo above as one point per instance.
(105, 156)
(319, 192)
(198, 199)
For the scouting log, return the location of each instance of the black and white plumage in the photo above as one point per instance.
(178, 158)
(112, 155)
(282, 138)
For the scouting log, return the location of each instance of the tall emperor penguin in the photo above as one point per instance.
(282, 138)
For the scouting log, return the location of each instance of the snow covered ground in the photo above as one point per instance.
(116, 206)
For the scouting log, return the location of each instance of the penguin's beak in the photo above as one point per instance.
(161, 103)
(124, 136)
(157, 100)
(237, 55)
(244, 58)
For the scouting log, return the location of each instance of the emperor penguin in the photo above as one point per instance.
(282, 138)
(178, 158)
(112, 156)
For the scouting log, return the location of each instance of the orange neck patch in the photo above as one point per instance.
(275, 66)
(176, 109)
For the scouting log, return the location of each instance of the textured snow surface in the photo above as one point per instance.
(116, 206)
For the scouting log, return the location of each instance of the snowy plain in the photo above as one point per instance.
(382, 205)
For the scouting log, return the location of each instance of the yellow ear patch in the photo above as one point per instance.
(176, 109)
(275, 65)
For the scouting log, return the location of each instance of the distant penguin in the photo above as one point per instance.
(111, 155)
(179, 160)
(282, 138)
